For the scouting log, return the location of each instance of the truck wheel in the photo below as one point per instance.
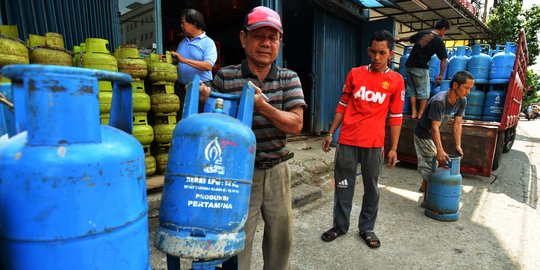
(509, 139)
(498, 150)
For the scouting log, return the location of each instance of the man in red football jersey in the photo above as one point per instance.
(370, 94)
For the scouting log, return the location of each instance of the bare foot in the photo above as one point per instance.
(413, 115)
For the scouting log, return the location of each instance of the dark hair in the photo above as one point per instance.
(442, 24)
(461, 77)
(383, 35)
(194, 17)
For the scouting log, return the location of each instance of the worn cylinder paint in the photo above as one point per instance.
(73, 192)
(205, 197)
(163, 133)
(51, 56)
(161, 162)
(13, 51)
(444, 191)
(150, 163)
(165, 103)
(54, 40)
(130, 62)
(160, 70)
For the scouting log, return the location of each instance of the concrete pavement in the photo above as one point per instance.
(497, 226)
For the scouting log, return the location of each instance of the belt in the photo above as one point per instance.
(269, 163)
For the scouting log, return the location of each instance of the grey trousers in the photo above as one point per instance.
(425, 151)
(346, 163)
(271, 199)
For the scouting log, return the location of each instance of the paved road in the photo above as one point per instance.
(498, 226)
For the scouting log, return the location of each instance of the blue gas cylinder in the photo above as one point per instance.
(403, 60)
(445, 85)
(407, 110)
(458, 62)
(450, 53)
(6, 114)
(503, 64)
(475, 104)
(205, 197)
(434, 67)
(434, 89)
(73, 191)
(480, 63)
(494, 103)
(444, 190)
(10, 127)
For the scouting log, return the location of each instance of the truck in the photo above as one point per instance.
(482, 142)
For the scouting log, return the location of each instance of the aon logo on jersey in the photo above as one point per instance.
(369, 95)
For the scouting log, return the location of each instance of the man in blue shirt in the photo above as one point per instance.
(196, 54)
(440, 109)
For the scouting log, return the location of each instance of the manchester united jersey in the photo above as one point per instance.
(368, 98)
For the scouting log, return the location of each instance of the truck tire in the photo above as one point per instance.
(498, 150)
(509, 139)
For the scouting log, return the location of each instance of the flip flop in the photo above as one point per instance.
(371, 239)
(331, 234)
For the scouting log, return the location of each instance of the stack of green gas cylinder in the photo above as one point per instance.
(165, 104)
(94, 54)
(154, 75)
(130, 62)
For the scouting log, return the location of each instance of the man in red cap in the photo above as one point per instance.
(275, 117)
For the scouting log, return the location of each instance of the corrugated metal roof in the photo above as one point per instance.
(76, 20)
(422, 15)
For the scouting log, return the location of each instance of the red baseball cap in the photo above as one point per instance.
(263, 16)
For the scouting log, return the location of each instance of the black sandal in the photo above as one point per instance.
(371, 239)
(331, 234)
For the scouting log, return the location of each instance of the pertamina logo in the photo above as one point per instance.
(369, 95)
(212, 153)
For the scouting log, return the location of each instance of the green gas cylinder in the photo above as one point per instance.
(150, 163)
(12, 51)
(97, 56)
(165, 103)
(160, 70)
(105, 100)
(161, 161)
(130, 62)
(141, 102)
(49, 50)
(143, 133)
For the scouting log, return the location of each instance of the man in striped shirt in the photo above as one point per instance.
(274, 118)
(371, 94)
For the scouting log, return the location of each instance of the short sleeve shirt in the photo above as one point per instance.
(201, 48)
(438, 109)
(284, 91)
(426, 44)
(367, 100)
